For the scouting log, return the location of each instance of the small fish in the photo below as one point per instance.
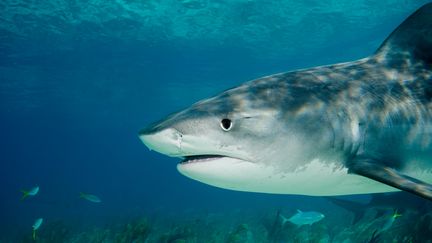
(36, 226)
(90, 197)
(32, 192)
(388, 224)
(302, 218)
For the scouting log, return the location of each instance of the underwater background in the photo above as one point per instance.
(79, 78)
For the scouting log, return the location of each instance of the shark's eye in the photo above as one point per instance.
(226, 124)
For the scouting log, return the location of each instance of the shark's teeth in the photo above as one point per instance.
(200, 158)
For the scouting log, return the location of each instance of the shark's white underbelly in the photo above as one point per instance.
(316, 178)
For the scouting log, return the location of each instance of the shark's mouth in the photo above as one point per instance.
(200, 158)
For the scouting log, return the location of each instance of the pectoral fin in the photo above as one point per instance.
(391, 177)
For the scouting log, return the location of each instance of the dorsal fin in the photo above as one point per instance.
(412, 39)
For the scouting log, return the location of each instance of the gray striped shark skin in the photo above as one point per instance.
(348, 128)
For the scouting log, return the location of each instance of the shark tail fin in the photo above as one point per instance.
(34, 234)
(25, 194)
(81, 195)
(412, 40)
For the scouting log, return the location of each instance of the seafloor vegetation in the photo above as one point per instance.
(239, 226)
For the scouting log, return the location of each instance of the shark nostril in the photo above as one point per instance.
(166, 141)
(179, 138)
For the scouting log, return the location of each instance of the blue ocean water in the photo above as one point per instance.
(78, 79)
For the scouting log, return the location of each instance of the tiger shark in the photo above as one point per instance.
(349, 128)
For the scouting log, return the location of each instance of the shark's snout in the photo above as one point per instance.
(167, 141)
